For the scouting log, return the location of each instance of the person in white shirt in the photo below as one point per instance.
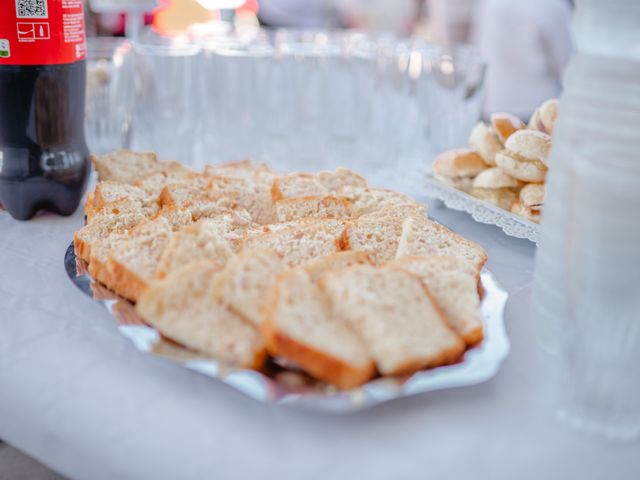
(527, 45)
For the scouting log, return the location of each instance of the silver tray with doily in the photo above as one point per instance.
(481, 211)
(283, 384)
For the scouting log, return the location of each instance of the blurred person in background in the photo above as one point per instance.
(299, 14)
(398, 16)
(526, 43)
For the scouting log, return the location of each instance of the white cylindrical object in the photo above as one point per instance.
(587, 281)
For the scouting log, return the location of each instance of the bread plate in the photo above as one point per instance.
(282, 385)
(481, 211)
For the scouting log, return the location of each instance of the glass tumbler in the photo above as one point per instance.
(455, 95)
(169, 98)
(110, 94)
(600, 337)
(236, 95)
(303, 69)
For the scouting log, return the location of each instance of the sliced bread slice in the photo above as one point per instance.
(300, 327)
(120, 216)
(214, 239)
(454, 285)
(396, 317)
(341, 179)
(182, 192)
(423, 237)
(301, 243)
(108, 192)
(296, 185)
(246, 281)
(366, 200)
(396, 211)
(183, 309)
(249, 193)
(133, 263)
(98, 260)
(205, 207)
(317, 267)
(377, 237)
(239, 168)
(125, 166)
(312, 207)
(171, 173)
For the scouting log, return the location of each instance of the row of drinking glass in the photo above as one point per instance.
(298, 99)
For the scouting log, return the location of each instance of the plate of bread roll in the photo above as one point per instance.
(315, 290)
(500, 178)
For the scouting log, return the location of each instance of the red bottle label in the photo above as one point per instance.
(41, 32)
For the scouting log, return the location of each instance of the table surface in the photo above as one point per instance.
(80, 398)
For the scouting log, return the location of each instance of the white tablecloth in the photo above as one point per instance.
(78, 397)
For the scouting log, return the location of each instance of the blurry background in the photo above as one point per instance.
(526, 43)
(311, 84)
(316, 84)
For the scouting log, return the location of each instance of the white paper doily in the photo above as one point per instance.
(483, 212)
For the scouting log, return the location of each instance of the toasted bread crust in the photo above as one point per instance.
(276, 193)
(81, 248)
(124, 282)
(471, 336)
(474, 337)
(445, 357)
(165, 199)
(317, 363)
(505, 124)
(343, 240)
(99, 271)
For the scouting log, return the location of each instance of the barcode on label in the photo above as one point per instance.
(31, 8)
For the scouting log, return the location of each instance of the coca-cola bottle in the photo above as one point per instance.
(43, 154)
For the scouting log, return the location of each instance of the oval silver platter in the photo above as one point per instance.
(286, 386)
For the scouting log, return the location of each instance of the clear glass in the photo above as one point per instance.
(586, 295)
(304, 99)
(235, 97)
(110, 94)
(307, 69)
(600, 338)
(455, 93)
(169, 107)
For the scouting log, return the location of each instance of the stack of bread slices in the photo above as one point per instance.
(240, 263)
(507, 162)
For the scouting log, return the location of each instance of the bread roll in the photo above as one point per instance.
(505, 124)
(532, 195)
(496, 187)
(525, 156)
(485, 141)
(530, 214)
(458, 168)
(545, 116)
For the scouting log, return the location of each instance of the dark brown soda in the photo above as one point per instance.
(43, 154)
